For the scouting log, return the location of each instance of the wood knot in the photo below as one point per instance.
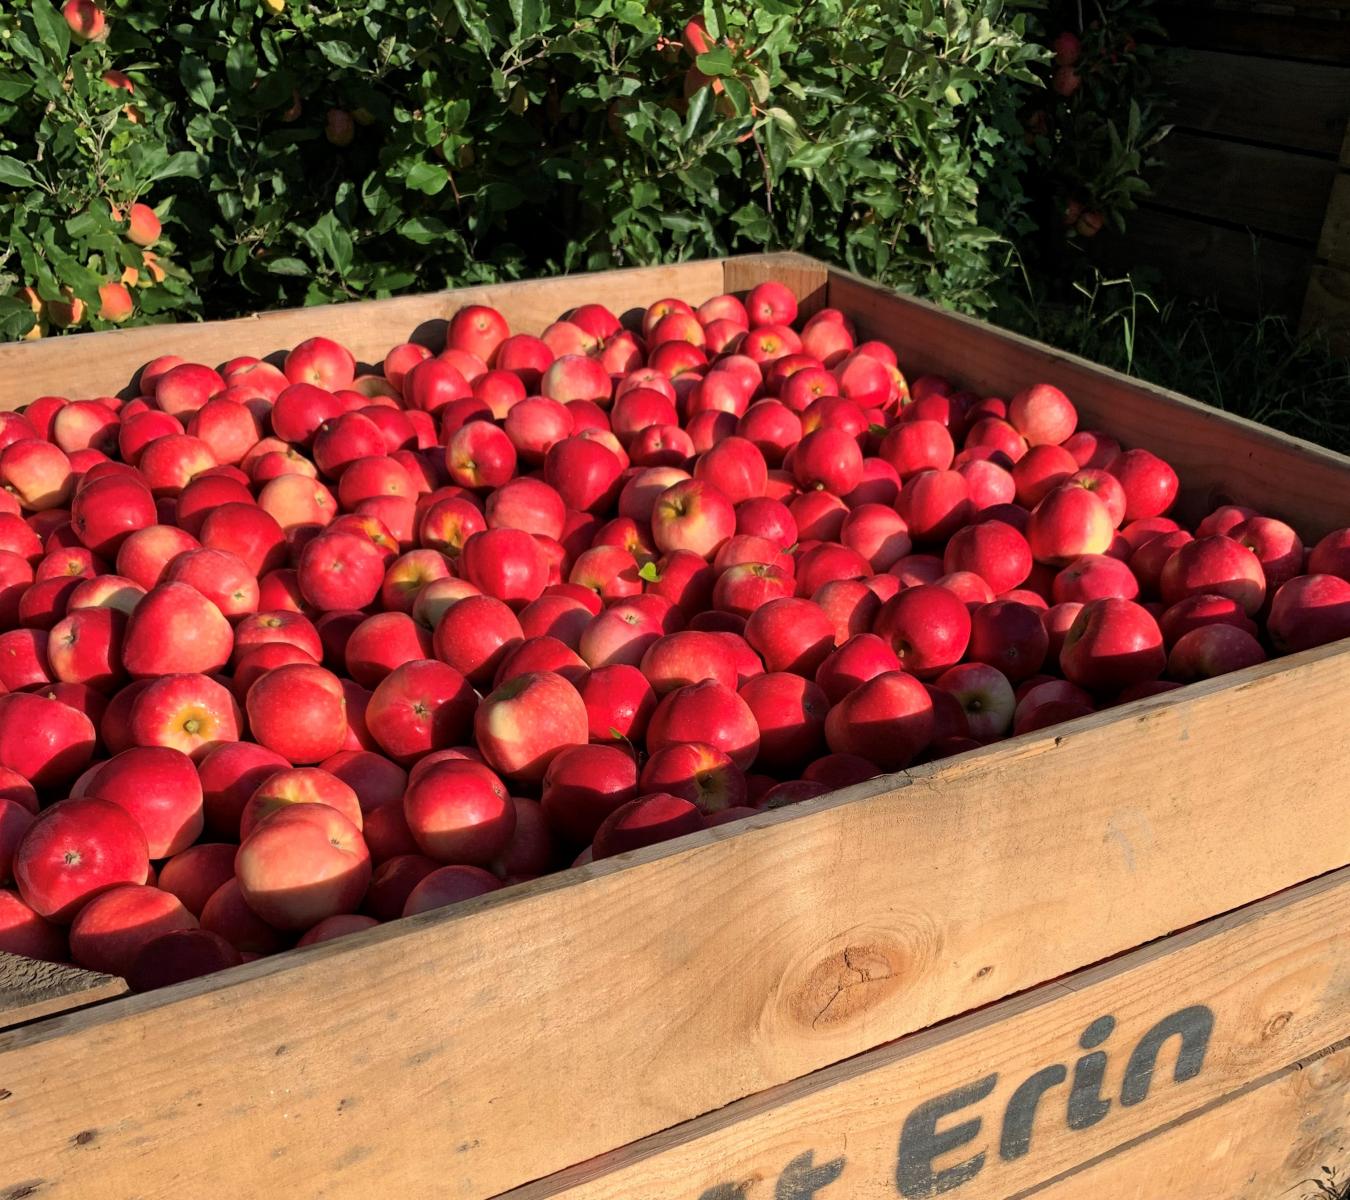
(1275, 1025)
(856, 972)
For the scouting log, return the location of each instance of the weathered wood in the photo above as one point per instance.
(1299, 106)
(30, 990)
(1307, 32)
(527, 1031)
(1327, 306)
(1263, 188)
(1218, 457)
(93, 364)
(1334, 244)
(1244, 272)
(1269, 1141)
(995, 1103)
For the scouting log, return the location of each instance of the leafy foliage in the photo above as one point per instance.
(299, 152)
(1092, 130)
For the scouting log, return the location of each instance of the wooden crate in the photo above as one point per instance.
(731, 1014)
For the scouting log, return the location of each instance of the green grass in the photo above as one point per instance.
(1260, 368)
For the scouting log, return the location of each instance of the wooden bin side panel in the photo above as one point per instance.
(93, 364)
(999, 1102)
(532, 1031)
(30, 989)
(1266, 1142)
(1219, 457)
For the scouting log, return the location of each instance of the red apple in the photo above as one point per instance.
(697, 772)
(646, 821)
(523, 724)
(1112, 644)
(986, 696)
(111, 929)
(1043, 415)
(449, 885)
(1150, 483)
(692, 515)
(159, 787)
(459, 812)
(420, 706)
(45, 741)
(75, 850)
(619, 703)
(1010, 636)
(1277, 547)
(474, 635)
(1069, 522)
(187, 712)
(1331, 556)
(927, 626)
(1218, 565)
(1212, 650)
(1307, 611)
(299, 711)
(304, 863)
(706, 712)
(791, 634)
(175, 629)
(194, 875)
(888, 720)
(790, 713)
(585, 784)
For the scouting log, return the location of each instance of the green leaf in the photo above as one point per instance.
(184, 164)
(83, 225)
(288, 266)
(736, 92)
(339, 53)
(812, 156)
(241, 66)
(528, 16)
(328, 238)
(649, 573)
(698, 105)
(716, 62)
(423, 230)
(13, 85)
(475, 24)
(428, 177)
(197, 80)
(15, 174)
(53, 32)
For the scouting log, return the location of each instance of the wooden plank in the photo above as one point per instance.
(1334, 245)
(1219, 457)
(1309, 35)
(30, 989)
(468, 1051)
(1262, 188)
(1327, 306)
(1265, 1141)
(998, 1102)
(93, 364)
(1300, 106)
(1198, 258)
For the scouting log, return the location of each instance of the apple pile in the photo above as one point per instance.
(289, 651)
